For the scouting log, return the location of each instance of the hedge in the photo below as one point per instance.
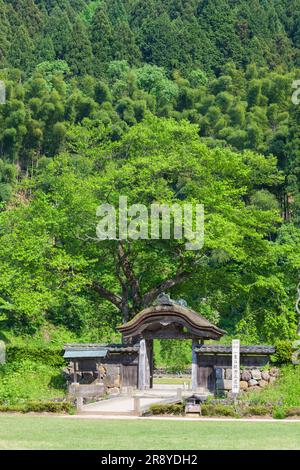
(39, 407)
(167, 409)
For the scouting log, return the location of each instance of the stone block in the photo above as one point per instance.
(246, 375)
(263, 383)
(272, 379)
(111, 377)
(256, 374)
(113, 391)
(243, 385)
(227, 385)
(265, 376)
(274, 372)
(228, 374)
(253, 383)
(102, 370)
(87, 391)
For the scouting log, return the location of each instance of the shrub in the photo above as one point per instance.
(39, 407)
(292, 411)
(28, 380)
(284, 351)
(218, 410)
(279, 412)
(257, 410)
(167, 409)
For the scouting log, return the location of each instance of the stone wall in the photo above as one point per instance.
(250, 379)
(105, 379)
(110, 376)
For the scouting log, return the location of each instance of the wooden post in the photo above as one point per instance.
(142, 364)
(137, 406)
(147, 364)
(75, 372)
(151, 360)
(194, 366)
(79, 403)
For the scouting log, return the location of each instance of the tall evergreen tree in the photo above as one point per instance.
(21, 50)
(101, 38)
(79, 54)
(44, 50)
(4, 33)
(124, 45)
(59, 29)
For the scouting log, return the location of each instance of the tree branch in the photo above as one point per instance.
(128, 271)
(163, 286)
(108, 295)
(151, 295)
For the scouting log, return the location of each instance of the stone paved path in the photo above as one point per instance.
(128, 405)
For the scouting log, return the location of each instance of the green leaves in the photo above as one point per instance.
(52, 258)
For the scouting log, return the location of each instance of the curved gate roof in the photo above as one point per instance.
(164, 316)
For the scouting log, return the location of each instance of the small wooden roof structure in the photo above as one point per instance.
(170, 320)
(91, 350)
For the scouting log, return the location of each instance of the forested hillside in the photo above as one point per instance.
(175, 34)
(159, 100)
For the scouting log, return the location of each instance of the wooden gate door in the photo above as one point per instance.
(129, 375)
(206, 378)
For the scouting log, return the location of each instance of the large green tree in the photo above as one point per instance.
(55, 267)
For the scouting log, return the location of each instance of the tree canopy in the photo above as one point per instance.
(161, 102)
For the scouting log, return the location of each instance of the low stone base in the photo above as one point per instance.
(250, 379)
(91, 392)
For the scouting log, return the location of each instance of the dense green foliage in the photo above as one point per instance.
(167, 409)
(162, 101)
(175, 34)
(30, 380)
(39, 407)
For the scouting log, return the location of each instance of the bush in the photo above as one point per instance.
(284, 351)
(167, 409)
(39, 407)
(292, 411)
(257, 410)
(29, 380)
(279, 412)
(218, 410)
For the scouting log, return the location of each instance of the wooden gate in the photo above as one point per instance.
(129, 375)
(206, 378)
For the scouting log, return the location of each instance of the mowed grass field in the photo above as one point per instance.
(52, 432)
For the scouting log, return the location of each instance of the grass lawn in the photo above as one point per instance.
(47, 432)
